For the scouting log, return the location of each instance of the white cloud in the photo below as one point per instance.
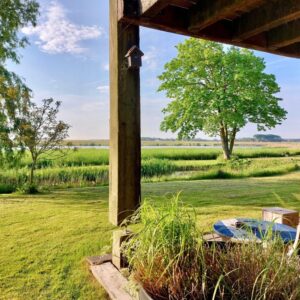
(57, 34)
(151, 59)
(103, 88)
(106, 67)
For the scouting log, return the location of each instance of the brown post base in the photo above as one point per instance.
(119, 237)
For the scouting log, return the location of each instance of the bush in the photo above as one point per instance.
(7, 189)
(28, 189)
(170, 259)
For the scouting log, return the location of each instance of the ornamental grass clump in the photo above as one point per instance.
(165, 256)
(170, 260)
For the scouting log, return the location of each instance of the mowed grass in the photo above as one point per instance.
(45, 238)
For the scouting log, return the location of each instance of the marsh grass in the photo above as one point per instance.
(89, 167)
(169, 258)
(97, 157)
(243, 168)
(152, 170)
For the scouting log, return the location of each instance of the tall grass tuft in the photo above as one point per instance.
(165, 250)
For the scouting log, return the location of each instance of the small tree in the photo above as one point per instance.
(41, 132)
(218, 91)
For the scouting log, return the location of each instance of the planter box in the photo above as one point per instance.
(143, 295)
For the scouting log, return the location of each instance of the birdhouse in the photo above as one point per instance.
(134, 57)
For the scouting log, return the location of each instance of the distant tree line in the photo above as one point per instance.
(267, 138)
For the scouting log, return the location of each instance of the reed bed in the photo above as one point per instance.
(249, 168)
(98, 157)
(87, 167)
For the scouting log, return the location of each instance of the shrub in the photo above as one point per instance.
(7, 189)
(28, 189)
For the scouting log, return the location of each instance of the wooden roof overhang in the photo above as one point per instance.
(267, 25)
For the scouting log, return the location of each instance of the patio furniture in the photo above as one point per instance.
(281, 215)
(251, 230)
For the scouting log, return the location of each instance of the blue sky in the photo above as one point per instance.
(68, 60)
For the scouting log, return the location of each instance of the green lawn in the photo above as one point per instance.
(45, 239)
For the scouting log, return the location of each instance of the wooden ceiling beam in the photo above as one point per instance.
(186, 4)
(176, 18)
(291, 50)
(268, 16)
(151, 8)
(209, 12)
(284, 35)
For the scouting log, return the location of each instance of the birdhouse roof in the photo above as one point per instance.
(134, 49)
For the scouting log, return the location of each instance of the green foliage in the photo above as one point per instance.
(7, 189)
(14, 94)
(28, 189)
(218, 91)
(14, 15)
(14, 101)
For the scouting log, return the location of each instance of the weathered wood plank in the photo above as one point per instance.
(209, 12)
(184, 3)
(281, 215)
(112, 281)
(125, 140)
(266, 17)
(151, 8)
(284, 35)
(99, 260)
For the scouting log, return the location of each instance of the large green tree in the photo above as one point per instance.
(14, 94)
(218, 90)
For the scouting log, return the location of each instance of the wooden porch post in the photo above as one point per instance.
(125, 140)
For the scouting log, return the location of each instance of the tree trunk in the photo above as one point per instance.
(31, 179)
(225, 147)
(232, 139)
